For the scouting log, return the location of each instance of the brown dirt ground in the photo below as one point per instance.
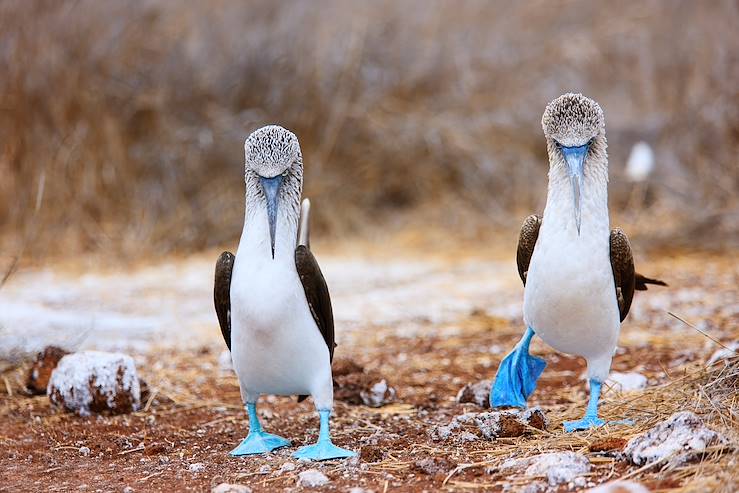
(195, 414)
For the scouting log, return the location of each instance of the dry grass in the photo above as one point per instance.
(123, 122)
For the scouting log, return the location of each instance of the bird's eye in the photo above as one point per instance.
(590, 142)
(285, 173)
(557, 145)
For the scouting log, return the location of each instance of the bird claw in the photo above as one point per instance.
(259, 442)
(322, 450)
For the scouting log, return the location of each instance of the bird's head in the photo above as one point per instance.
(275, 164)
(575, 129)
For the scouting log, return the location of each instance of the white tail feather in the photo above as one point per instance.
(304, 229)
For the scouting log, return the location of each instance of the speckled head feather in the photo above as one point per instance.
(572, 120)
(271, 150)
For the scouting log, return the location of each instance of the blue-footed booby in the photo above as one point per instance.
(578, 274)
(271, 299)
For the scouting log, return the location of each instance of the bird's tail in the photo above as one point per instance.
(640, 282)
(304, 228)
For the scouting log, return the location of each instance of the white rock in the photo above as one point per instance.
(475, 393)
(558, 467)
(358, 489)
(84, 451)
(128, 489)
(619, 487)
(724, 353)
(627, 382)
(312, 478)
(196, 467)
(265, 469)
(287, 467)
(681, 436)
(466, 436)
(94, 381)
(231, 488)
(378, 395)
(534, 487)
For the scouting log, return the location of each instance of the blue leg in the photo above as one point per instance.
(323, 449)
(517, 375)
(591, 419)
(257, 441)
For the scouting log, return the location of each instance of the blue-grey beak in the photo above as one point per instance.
(575, 159)
(271, 188)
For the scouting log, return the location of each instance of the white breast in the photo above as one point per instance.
(276, 346)
(569, 298)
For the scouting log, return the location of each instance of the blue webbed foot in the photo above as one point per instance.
(591, 419)
(323, 449)
(259, 442)
(517, 376)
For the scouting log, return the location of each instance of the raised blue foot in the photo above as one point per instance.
(258, 441)
(517, 375)
(323, 449)
(591, 419)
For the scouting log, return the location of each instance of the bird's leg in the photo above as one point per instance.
(323, 449)
(591, 419)
(517, 375)
(258, 441)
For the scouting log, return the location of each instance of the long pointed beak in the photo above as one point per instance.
(575, 159)
(271, 192)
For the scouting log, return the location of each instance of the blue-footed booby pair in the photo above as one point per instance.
(271, 299)
(578, 274)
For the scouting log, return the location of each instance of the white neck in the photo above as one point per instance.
(559, 213)
(255, 239)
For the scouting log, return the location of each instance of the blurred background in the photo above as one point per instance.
(123, 122)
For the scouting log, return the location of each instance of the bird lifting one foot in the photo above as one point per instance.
(578, 274)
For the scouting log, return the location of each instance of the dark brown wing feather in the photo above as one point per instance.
(526, 243)
(222, 294)
(622, 263)
(316, 292)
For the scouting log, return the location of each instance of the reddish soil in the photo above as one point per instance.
(195, 414)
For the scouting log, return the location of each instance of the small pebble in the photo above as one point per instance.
(84, 451)
(197, 467)
(231, 488)
(312, 478)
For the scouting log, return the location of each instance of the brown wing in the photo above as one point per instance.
(526, 243)
(622, 263)
(316, 293)
(222, 294)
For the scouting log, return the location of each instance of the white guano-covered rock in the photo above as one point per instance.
(619, 487)
(680, 438)
(475, 393)
(558, 467)
(312, 478)
(93, 381)
(627, 382)
(231, 488)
